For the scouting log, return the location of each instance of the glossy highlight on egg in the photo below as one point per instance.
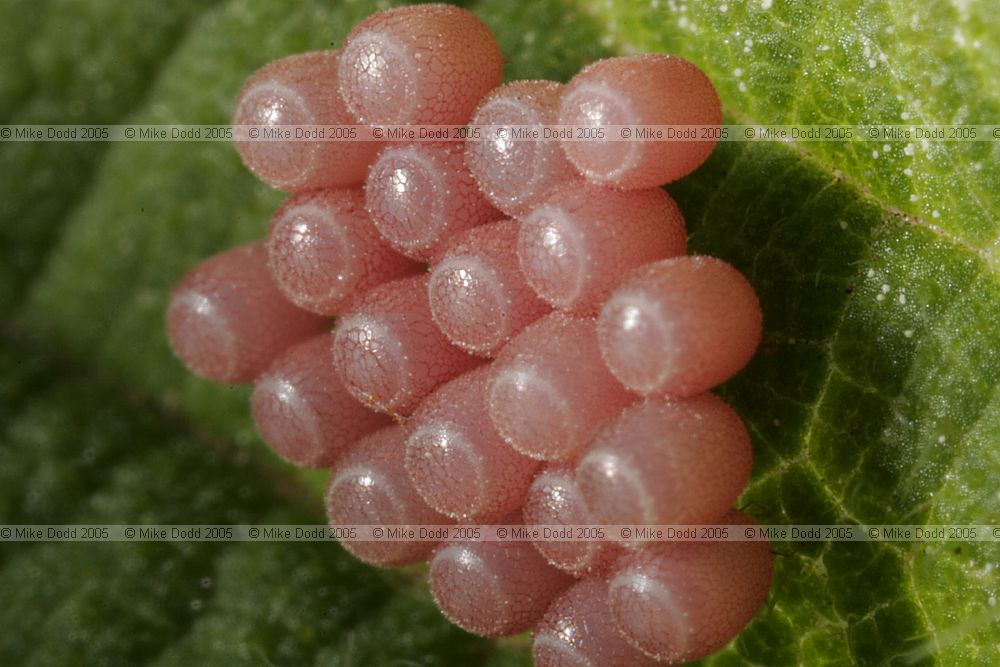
(497, 331)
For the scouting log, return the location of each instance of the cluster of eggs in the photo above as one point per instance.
(550, 367)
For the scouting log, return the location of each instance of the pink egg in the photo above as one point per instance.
(577, 631)
(457, 461)
(421, 195)
(227, 320)
(659, 462)
(300, 90)
(323, 250)
(554, 499)
(574, 248)
(494, 589)
(513, 172)
(389, 353)
(680, 326)
(478, 295)
(304, 412)
(549, 389)
(369, 486)
(683, 601)
(426, 64)
(651, 89)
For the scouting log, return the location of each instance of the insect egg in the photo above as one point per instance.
(421, 195)
(323, 250)
(425, 64)
(515, 172)
(680, 326)
(303, 411)
(227, 320)
(652, 89)
(659, 462)
(575, 246)
(389, 353)
(300, 90)
(369, 485)
(549, 389)
(478, 295)
(456, 459)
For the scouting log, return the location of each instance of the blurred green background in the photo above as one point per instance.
(872, 399)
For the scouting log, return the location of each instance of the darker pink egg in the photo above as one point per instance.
(549, 390)
(577, 631)
(494, 589)
(683, 601)
(323, 250)
(227, 320)
(300, 90)
(659, 462)
(425, 64)
(421, 196)
(302, 409)
(575, 246)
(456, 459)
(389, 353)
(653, 90)
(554, 499)
(478, 295)
(514, 171)
(680, 326)
(369, 486)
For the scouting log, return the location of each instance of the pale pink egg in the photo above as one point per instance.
(646, 90)
(494, 589)
(425, 64)
(478, 295)
(683, 601)
(457, 461)
(421, 195)
(575, 247)
(369, 487)
(549, 389)
(577, 631)
(323, 250)
(659, 462)
(303, 411)
(227, 320)
(513, 170)
(680, 326)
(554, 499)
(388, 351)
(300, 90)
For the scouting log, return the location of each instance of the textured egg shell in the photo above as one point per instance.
(227, 320)
(303, 411)
(300, 90)
(577, 631)
(421, 196)
(494, 589)
(369, 486)
(683, 601)
(388, 351)
(513, 172)
(659, 462)
(478, 295)
(554, 499)
(323, 250)
(457, 461)
(575, 247)
(680, 326)
(549, 389)
(420, 64)
(651, 89)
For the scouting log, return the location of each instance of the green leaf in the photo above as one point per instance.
(872, 399)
